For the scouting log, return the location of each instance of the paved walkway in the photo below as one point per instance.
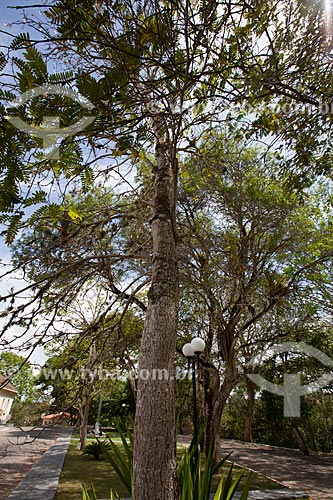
(313, 474)
(19, 450)
(41, 482)
(283, 494)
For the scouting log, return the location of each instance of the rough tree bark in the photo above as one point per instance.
(154, 450)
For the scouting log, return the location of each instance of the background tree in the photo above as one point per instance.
(19, 372)
(96, 258)
(251, 246)
(89, 364)
(118, 404)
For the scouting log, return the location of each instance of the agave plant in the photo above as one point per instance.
(96, 449)
(121, 461)
(93, 496)
(194, 480)
(195, 483)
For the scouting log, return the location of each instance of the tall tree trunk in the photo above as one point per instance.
(154, 450)
(248, 420)
(84, 412)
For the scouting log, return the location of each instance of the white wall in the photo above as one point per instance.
(6, 401)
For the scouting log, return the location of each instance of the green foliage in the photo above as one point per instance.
(24, 164)
(118, 405)
(272, 428)
(93, 496)
(25, 413)
(315, 422)
(20, 374)
(195, 483)
(232, 422)
(3, 61)
(122, 459)
(96, 449)
(20, 40)
(194, 478)
(51, 213)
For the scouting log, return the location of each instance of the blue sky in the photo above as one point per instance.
(7, 17)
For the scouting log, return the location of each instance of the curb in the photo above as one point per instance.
(283, 494)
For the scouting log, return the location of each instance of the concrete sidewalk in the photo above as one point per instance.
(285, 494)
(41, 482)
(313, 474)
(274, 495)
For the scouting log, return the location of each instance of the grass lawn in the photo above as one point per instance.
(83, 469)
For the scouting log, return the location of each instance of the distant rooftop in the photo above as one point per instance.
(57, 415)
(7, 386)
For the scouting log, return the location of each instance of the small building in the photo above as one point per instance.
(7, 396)
(61, 418)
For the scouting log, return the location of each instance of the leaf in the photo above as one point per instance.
(74, 214)
(123, 465)
(52, 211)
(21, 40)
(3, 61)
(14, 227)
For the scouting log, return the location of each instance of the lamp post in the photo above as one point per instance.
(192, 352)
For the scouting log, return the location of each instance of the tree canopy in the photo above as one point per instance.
(19, 372)
(155, 76)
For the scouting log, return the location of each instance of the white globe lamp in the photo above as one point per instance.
(188, 351)
(198, 345)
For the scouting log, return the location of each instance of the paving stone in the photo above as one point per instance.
(283, 494)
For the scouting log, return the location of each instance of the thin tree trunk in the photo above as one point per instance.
(86, 396)
(217, 415)
(154, 450)
(211, 386)
(84, 412)
(299, 436)
(97, 429)
(133, 384)
(213, 424)
(249, 416)
(99, 411)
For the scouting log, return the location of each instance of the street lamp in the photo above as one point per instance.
(192, 352)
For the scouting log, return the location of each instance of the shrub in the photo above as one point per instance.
(96, 449)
